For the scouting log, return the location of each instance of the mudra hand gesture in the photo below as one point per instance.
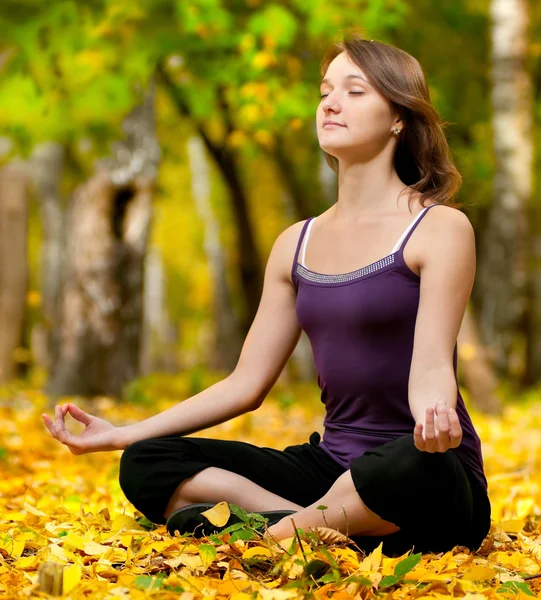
(441, 429)
(99, 434)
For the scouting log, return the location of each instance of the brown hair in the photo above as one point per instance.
(422, 158)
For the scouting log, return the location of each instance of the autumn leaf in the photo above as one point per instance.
(219, 514)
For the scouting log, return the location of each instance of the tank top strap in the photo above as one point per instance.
(407, 234)
(299, 244)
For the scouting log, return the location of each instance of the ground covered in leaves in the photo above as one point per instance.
(65, 525)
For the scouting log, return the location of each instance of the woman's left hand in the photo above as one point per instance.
(442, 430)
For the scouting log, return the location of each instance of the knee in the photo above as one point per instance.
(133, 467)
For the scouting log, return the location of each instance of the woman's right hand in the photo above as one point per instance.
(99, 435)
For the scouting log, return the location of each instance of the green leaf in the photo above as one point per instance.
(315, 568)
(144, 522)
(232, 528)
(146, 582)
(407, 564)
(214, 538)
(388, 581)
(514, 587)
(62, 534)
(173, 588)
(208, 553)
(322, 507)
(328, 578)
(240, 513)
(242, 534)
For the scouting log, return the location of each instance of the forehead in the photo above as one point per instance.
(340, 67)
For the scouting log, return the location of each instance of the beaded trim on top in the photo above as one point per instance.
(341, 277)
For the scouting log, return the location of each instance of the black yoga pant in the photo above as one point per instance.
(432, 497)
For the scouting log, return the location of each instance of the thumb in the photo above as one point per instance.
(79, 414)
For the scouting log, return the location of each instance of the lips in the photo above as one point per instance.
(333, 123)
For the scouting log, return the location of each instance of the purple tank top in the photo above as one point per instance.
(361, 327)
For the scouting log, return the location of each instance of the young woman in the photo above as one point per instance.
(400, 460)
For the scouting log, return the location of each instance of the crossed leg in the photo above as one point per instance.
(346, 511)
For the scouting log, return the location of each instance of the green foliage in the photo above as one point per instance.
(515, 587)
(401, 569)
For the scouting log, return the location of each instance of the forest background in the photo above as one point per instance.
(153, 150)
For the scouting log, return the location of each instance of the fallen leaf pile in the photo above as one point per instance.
(66, 528)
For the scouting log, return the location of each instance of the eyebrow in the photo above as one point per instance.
(352, 76)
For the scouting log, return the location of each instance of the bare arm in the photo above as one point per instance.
(269, 344)
(447, 276)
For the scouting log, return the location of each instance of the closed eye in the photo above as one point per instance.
(354, 93)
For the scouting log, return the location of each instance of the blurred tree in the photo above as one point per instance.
(108, 226)
(13, 265)
(46, 166)
(503, 261)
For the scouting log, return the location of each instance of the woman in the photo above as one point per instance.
(400, 460)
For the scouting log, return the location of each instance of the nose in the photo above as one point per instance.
(330, 104)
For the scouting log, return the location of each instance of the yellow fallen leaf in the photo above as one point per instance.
(511, 526)
(347, 558)
(61, 553)
(219, 514)
(94, 549)
(74, 540)
(373, 560)
(232, 587)
(13, 516)
(34, 511)
(479, 573)
(240, 596)
(512, 559)
(27, 562)
(127, 522)
(12, 547)
(256, 551)
(71, 577)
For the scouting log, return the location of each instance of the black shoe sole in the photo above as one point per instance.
(189, 519)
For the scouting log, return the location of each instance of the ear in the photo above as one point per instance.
(399, 122)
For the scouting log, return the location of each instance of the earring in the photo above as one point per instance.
(395, 130)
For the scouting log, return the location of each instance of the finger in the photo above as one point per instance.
(418, 437)
(59, 419)
(49, 424)
(430, 432)
(455, 428)
(68, 438)
(443, 440)
(79, 414)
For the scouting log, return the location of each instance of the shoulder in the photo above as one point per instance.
(447, 233)
(284, 248)
(449, 222)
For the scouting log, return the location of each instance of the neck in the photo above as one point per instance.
(368, 189)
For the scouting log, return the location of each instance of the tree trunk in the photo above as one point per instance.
(532, 324)
(501, 280)
(13, 265)
(107, 228)
(251, 272)
(46, 166)
(228, 339)
(159, 336)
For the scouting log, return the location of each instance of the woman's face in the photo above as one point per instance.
(365, 117)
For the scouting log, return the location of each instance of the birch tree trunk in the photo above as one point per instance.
(46, 165)
(228, 339)
(159, 335)
(13, 265)
(502, 273)
(107, 227)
